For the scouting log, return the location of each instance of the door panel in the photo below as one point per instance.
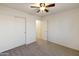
(11, 32)
(20, 30)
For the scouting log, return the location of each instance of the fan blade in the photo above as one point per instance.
(38, 11)
(51, 5)
(34, 6)
(46, 10)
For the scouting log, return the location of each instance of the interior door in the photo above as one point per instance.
(12, 32)
(20, 30)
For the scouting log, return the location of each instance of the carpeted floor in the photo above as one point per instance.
(42, 48)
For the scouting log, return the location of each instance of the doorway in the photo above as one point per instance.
(41, 30)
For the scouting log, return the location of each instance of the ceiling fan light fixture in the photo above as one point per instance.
(42, 8)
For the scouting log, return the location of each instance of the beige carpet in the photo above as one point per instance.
(42, 48)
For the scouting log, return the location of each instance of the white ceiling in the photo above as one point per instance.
(25, 7)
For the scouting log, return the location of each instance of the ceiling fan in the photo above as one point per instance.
(43, 7)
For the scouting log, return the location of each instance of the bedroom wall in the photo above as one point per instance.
(31, 28)
(7, 28)
(63, 28)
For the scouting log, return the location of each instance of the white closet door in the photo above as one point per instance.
(11, 32)
(19, 30)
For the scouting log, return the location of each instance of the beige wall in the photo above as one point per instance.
(63, 28)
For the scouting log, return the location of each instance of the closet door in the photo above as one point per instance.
(12, 32)
(19, 23)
